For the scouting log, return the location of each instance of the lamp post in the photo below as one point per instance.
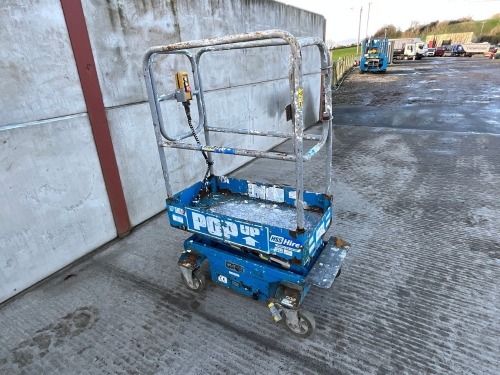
(368, 19)
(481, 33)
(359, 29)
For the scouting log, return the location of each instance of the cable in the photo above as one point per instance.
(187, 109)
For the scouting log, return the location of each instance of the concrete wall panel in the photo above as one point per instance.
(120, 33)
(38, 77)
(137, 156)
(214, 18)
(54, 204)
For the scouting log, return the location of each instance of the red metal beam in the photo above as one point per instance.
(82, 50)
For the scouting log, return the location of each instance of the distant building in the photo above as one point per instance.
(455, 38)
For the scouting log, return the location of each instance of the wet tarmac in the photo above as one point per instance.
(443, 94)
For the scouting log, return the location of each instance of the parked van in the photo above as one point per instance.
(457, 50)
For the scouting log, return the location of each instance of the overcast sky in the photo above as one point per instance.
(342, 17)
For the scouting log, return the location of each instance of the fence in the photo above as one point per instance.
(341, 67)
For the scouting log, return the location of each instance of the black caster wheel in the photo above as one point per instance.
(304, 326)
(199, 281)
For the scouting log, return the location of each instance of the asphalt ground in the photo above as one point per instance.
(416, 192)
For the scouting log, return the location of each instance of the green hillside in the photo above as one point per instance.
(338, 53)
(485, 30)
(491, 26)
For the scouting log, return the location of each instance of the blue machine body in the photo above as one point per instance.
(255, 216)
(245, 273)
(374, 55)
(244, 230)
(255, 276)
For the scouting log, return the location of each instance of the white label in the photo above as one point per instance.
(256, 191)
(178, 218)
(311, 241)
(275, 194)
(234, 273)
(239, 233)
(222, 279)
(226, 229)
(292, 195)
(321, 231)
(284, 242)
(270, 193)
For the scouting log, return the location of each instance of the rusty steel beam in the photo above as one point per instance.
(84, 58)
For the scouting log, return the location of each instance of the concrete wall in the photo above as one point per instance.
(54, 206)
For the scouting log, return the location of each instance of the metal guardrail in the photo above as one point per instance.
(239, 41)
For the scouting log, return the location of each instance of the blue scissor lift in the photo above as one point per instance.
(262, 240)
(374, 55)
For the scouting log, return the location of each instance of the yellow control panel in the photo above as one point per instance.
(182, 83)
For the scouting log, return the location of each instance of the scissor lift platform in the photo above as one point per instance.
(261, 240)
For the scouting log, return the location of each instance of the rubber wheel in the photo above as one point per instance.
(338, 272)
(199, 281)
(306, 324)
